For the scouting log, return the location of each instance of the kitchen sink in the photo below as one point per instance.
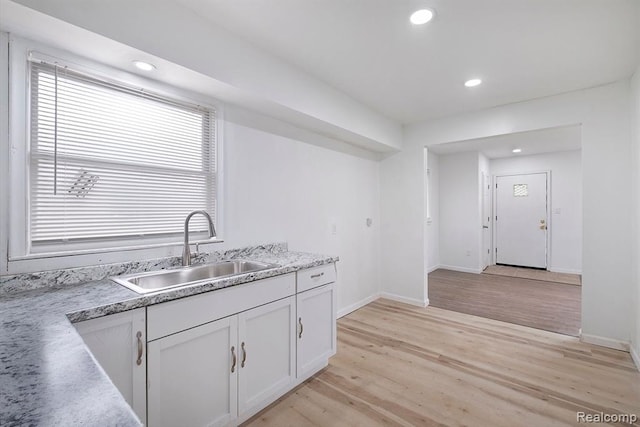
(155, 281)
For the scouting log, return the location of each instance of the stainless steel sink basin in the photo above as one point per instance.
(156, 281)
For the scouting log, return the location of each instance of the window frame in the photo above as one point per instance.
(18, 256)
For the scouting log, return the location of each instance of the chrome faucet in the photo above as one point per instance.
(186, 253)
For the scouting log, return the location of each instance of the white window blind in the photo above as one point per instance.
(108, 162)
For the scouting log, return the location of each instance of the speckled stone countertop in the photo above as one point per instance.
(47, 375)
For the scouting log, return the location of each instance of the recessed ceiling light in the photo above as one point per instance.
(421, 16)
(472, 82)
(144, 66)
(516, 150)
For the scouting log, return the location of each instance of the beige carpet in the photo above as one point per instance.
(530, 273)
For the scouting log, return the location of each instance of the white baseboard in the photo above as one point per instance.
(461, 269)
(636, 357)
(399, 298)
(564, 270)
(434, 268)
(353, 307)
(605, 342)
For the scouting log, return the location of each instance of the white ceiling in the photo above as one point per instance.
(542, 141)
(522, 49)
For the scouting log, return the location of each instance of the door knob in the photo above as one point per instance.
(543, 227)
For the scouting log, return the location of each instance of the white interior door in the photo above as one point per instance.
(486, 220)
(521, 220)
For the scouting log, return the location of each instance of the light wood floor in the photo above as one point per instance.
(539, 304)
(400, 365)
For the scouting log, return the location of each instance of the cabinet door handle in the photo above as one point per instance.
(244, 355)
(315, 276)
(140, 348)
(233, 361)
(301, 327)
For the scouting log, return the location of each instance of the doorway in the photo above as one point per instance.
(542, 166)
(486, 220)
(521, 220)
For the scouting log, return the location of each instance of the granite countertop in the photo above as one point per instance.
(47, 375)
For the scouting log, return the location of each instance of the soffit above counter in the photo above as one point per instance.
(215, 65)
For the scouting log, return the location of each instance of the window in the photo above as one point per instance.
(110, 165)
(520, 190)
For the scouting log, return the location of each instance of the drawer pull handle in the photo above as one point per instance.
(301, 327)
(233, 362)
(244, 355)
(140, 348)
(315, 276)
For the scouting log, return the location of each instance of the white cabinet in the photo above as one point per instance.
(218, 358)
(267, 344)
(316, 319)
(193, 376)
(316, 334)
(180, 314)
(117, 342)
(224, 371)
(310, 278)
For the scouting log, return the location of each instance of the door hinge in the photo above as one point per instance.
(496, 217)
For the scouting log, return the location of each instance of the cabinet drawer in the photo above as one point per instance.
(317, 276)
(175, 316)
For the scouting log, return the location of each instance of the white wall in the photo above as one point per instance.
(566, 202)
(279, 189)
(635, 129)
(607, 309)
(460, 228)
(433, 227)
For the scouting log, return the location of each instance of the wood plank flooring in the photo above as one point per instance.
(539, 304)
(400, 365)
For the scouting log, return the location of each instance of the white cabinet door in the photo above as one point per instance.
(266, 337)
(193, 376)
(316, 332)
(117, 342)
